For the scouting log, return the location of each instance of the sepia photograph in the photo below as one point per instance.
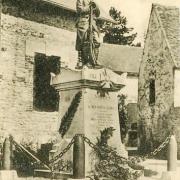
(90, 89)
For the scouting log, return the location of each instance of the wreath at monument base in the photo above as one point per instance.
(108, 165)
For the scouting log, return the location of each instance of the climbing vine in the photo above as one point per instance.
(123, 116)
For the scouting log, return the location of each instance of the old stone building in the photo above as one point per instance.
(159, 83)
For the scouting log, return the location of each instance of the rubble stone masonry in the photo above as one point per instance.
(158, 118)
(25, 32)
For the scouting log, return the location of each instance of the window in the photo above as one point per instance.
(45, 97)
(152, 92)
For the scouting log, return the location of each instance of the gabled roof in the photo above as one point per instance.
(169, 19)
(120, 58)
(71, 6)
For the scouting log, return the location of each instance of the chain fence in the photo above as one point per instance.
(133, 159)
(54, 160)
(160, 147)
(137, 159)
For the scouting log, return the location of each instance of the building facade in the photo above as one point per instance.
(159, 79)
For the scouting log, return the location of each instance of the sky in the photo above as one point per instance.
(137, 12)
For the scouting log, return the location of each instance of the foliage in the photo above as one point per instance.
(123, 116)
(106, 134)
(110, 165)
(118, 33)
(22, 163)
(65, 166)
(25, 164)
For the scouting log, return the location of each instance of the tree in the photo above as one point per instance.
(118, 33)
(123, 116)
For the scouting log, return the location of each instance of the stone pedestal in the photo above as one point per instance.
(98, 107)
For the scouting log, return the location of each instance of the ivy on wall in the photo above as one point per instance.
(156, 117)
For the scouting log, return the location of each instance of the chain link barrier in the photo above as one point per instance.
(54, 160)
(137, 159)
(104, 166)
(161, 147)
(132, 160)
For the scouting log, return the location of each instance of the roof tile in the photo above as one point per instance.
(71, 5)
(120, 58)
(169, 16)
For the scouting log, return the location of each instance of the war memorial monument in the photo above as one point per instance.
(88, 93)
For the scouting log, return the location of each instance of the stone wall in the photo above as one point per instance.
(41, 12)
(155, 119)
(20, 40)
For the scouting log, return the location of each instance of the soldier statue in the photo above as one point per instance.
(87, 41)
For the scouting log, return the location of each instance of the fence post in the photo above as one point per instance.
(79, 158)
(172, 154)
(7, 154)
(171, 173)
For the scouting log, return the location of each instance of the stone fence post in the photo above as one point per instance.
(7, 154)
(7, 173)
(171, 173)
(172, 154)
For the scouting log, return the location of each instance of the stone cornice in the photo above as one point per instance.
(104, 79)
(85, 84)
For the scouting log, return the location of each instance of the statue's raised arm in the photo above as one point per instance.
(87, 41)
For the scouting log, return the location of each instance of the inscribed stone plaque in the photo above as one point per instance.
(100, 113)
